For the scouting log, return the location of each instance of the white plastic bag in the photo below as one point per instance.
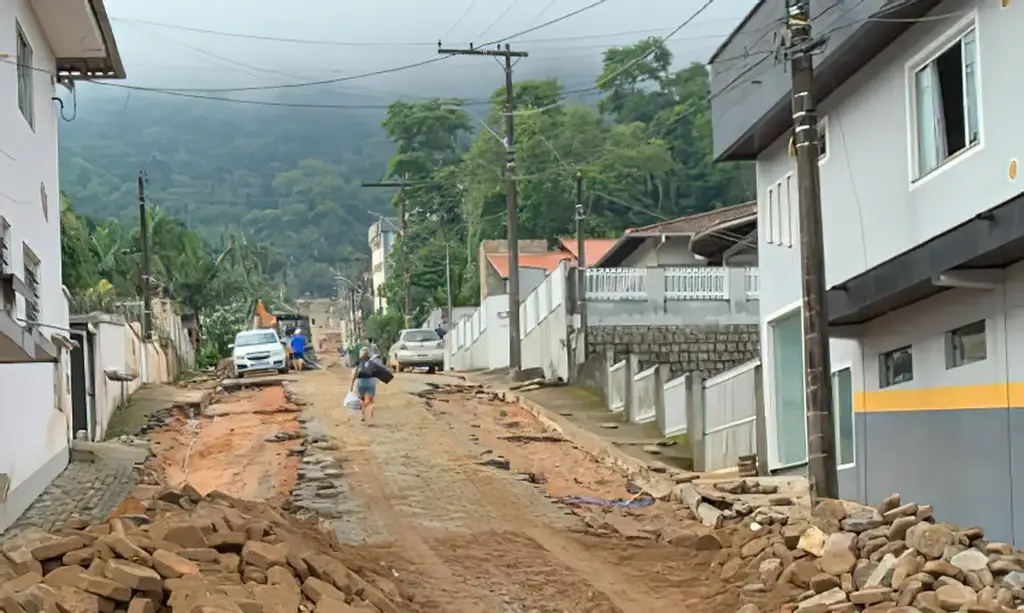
(353, 402)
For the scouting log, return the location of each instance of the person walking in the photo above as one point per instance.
(363, 383)
(298, 347)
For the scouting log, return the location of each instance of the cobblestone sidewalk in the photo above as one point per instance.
(90, 490)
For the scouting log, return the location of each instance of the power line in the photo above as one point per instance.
(547, 23)
(511, 5)
(461, 18)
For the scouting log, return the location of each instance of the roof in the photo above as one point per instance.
(547, 261)
(735, 31)
(681, 226)
(596, 247)
(715, 240)
(691, 224)
(110, 67)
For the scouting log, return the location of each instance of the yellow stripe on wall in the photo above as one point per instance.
(957, 398)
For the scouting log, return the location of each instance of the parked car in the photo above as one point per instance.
(259, 350)
(421, 347)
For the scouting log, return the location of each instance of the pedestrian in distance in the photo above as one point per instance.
(298, 346)
(363, 383)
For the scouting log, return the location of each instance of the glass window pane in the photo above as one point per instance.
(842, 408)
(926, 92)
(788, 385)
(971, 87)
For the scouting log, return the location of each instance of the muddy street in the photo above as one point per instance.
(459, 494)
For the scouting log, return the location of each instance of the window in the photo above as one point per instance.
(5, 246)
(966, 344)
(32, 303)
(822, 139)
(946, 106)
(24, 71)
(896, 366)
(787, 355)
(778, 212)
(842, 413)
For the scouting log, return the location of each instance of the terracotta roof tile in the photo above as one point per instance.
(547, 261)
(596, 247)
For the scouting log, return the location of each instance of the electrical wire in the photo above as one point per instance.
(558, 19)
(511, 5)
(461, 18)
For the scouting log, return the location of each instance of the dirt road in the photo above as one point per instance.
(468, 537)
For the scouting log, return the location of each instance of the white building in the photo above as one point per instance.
(382, 238)
(44, 46)
(923, 218)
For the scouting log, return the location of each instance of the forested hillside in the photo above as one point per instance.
(290, 177)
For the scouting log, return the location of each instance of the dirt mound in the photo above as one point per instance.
(191, 553)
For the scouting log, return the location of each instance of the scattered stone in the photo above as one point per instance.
(212, 554)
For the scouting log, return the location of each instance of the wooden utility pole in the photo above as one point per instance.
(581, 273)
(401, 185)
(821, 444)
(147, 299)
(515, 361)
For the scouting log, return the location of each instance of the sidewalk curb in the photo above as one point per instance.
(602, 450)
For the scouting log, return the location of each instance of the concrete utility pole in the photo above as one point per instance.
(401, 185)
(147, 300)
(581, 272)
(448, 280)
(821, 444)
(515, 361)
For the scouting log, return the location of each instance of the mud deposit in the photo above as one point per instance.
(240, 446)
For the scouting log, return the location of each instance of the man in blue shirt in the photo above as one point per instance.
(298, 344)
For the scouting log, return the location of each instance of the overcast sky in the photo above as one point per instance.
(395, 32)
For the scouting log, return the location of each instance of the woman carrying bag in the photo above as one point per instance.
(363, 383)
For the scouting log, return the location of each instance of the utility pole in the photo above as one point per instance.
(581, 273)
(401, 185)
(448, 281)
(147, 300)
(821, 446)
(515, 361)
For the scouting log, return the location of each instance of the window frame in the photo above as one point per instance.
(24, 57)
(882, 383)
(823, 140)
(768, 382)
(840, 465)
(940, 44)
(950, 350)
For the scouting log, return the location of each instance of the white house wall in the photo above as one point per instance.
(674, 251)
(34, 439)
(871, 212)
(946, 425)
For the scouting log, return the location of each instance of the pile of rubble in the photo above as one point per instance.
(896, 558)
(189, 553)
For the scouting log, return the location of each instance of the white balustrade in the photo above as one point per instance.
(752, 282)
(697, 283)
(616, 284)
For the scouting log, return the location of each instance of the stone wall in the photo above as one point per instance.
(708, 349)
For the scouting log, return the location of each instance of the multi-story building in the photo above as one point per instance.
(382, 238)
(45, 45)
(923, 218)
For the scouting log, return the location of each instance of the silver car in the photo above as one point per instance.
(417, 348)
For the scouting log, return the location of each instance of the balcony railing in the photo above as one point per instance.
(752, 283)
(696, 283)
(681, 283)
(616, 284)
